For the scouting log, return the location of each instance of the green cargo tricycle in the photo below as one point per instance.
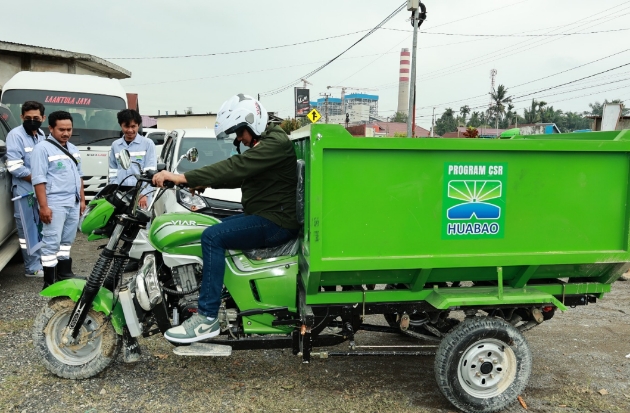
(467, 243)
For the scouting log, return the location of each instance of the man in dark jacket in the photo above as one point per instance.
(266, 174)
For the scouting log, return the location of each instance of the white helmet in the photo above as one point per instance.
(224, 112)
(239, 111)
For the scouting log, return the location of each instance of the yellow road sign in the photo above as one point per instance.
(314, 115)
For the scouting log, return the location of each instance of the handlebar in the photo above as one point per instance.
(148, 177)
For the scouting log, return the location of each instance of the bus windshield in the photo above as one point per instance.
(93, 116)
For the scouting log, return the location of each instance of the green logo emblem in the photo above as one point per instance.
(60, 165)
(474, 200)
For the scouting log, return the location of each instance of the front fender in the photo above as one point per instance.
(103, 301)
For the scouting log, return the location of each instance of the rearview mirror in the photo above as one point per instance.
(125, 159)
(192, 155)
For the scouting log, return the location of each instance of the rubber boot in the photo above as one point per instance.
(50, 275)
(64, 270)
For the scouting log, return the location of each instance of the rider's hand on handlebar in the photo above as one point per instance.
(160, 178)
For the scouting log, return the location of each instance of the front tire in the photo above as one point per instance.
(483, 365)
(99, 344)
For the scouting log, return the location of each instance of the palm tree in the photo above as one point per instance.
(531, 115)
(500, 101)
(464, 111)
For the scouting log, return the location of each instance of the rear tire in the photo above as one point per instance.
(79, 361)
(482, 365)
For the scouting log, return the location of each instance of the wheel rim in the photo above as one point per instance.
(487, 368)
(73, 355)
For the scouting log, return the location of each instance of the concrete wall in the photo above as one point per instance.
(11, 64)
(186, 122)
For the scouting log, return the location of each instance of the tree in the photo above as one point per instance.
(400, 117)
(289, 125)
(531, 115)
(500, 100)
(446, 122)
(464, 111)
(475, 120)
(597, 109)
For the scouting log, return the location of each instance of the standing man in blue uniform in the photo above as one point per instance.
(141, 150)
(57, 179)
(20, 144)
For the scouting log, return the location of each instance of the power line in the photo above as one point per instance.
(236, 51)
(573, 81)
(510, 35)
(388, 18)
(501, 54)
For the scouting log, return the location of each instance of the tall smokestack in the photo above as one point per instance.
(403, 86)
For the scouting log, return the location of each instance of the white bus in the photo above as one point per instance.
(93, 102)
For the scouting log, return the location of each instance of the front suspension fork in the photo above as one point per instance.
(94, 283)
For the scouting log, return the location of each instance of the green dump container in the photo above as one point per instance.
(529, 220)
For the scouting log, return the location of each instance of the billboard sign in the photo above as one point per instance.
(302, 102)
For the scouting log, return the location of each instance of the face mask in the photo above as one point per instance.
(31, 125)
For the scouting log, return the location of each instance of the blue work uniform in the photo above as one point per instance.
(142, 151)
(20, 146)
(63, 179)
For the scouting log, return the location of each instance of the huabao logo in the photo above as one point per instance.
(473, 206)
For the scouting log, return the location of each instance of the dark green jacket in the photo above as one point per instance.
(265, 173)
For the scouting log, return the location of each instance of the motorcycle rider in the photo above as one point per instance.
(20, 143)
(266, 174)
(58, 182)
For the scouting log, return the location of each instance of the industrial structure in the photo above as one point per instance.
(360, 107)
(403, 79)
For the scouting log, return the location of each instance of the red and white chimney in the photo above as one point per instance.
(403, 79)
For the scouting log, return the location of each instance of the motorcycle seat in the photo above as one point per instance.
(288, 248)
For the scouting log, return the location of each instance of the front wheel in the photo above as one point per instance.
(95, 348)
(483, 365)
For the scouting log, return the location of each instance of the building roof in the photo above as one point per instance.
(93, 62)
(361, 96)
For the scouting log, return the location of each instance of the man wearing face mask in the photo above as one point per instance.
(20, 144)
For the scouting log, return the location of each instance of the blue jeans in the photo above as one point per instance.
(239, 232)
(58, 236)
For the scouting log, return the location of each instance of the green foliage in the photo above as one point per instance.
(400, 135)
(475, 120)
(289, 125)
(399, 117)
(500, 101)
(446, 122)
(597, 109)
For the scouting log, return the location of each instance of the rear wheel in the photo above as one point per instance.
(95, 348)
(483, 365)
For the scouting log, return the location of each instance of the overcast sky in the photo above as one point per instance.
(450, 68)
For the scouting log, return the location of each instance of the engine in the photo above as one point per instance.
(188, 278)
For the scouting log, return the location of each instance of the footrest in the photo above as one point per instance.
(203, 349)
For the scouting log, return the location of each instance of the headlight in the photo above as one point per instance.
(189, 201)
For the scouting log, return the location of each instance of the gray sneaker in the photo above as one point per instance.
(196, 328)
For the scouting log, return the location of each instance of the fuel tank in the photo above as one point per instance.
(179, 232)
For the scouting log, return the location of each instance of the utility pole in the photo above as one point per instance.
(433, 122)
(414, 51)
(419, 14)
(326, 96)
